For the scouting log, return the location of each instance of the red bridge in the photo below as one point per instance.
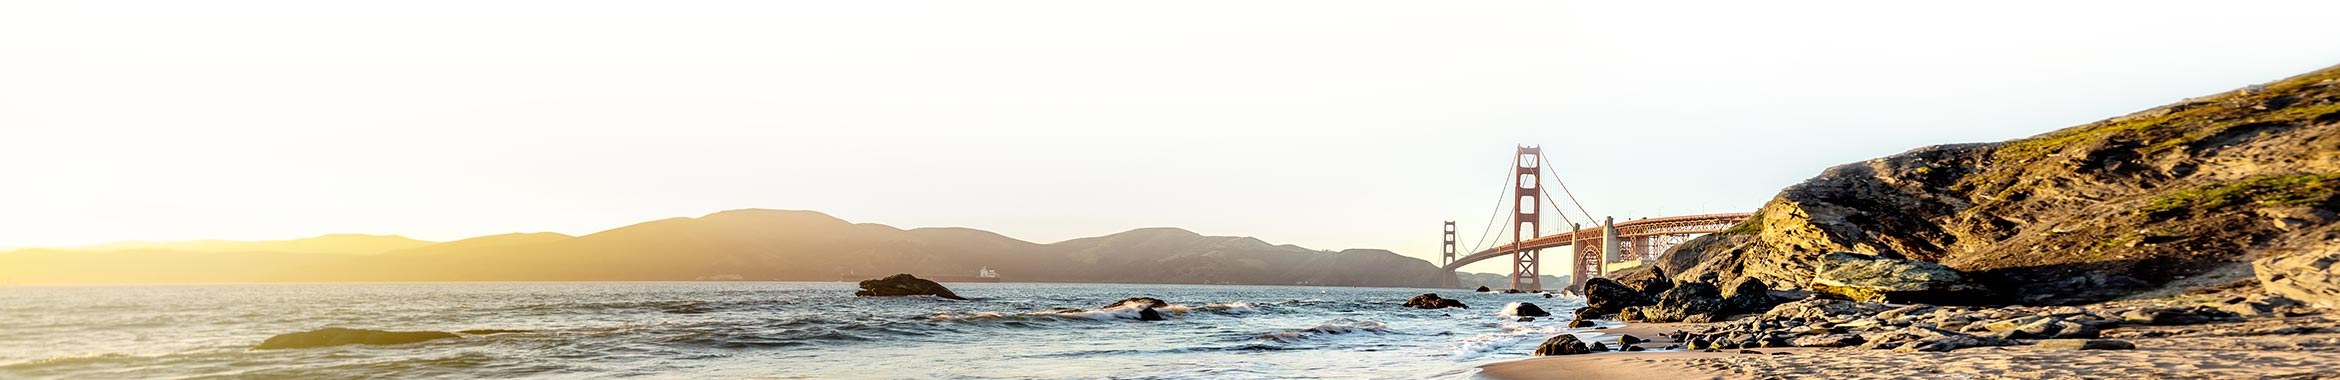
(1594, 249)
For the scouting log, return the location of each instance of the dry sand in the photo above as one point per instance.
(2240, 350)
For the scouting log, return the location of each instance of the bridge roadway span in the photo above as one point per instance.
(1637, 236)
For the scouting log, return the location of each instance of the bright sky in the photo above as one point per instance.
(1328, 124)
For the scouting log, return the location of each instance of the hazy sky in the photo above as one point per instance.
(1333, 124)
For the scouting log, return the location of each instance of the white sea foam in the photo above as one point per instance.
(1508, 333)
(1510, 310)
(1125, 311)
(1332, 327)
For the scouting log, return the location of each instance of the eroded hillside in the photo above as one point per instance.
(2179, 195)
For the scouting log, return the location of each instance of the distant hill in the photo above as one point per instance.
(333, 243)
(759, 244)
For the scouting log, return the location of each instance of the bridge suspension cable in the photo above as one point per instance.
(1491, 230)
(1547, 168)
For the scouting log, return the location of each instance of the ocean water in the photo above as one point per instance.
(761, 330)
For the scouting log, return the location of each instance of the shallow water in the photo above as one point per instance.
(765, 330)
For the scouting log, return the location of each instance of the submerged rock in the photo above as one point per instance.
(1148, 302)
(335, 336)
(1530, 310)
(904, 285)
(1564, 344)
(1148, 314)
(1431, 301)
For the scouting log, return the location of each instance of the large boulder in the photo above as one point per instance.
(1747, 295)
(1687, 301)
(1564, 344)
(2311, 277)
(1869, 278)
(335, 336)
(1483, 289)
(1431, 301)
(1608, 297)
(904, 285)
(1647, 279)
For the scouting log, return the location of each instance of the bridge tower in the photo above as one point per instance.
(1592, 259)
(1527, 219)
(1448, 251)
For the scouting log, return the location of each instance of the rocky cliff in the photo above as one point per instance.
(2177, 196)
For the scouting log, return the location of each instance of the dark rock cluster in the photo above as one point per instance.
(1651, 297)
(1431, 301)
(904, 285)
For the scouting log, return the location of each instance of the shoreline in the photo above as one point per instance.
(1613, 364)
(2284, 348)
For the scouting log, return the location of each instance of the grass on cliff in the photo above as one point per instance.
(2279, 190)
(2297, 99)
(1752, 226)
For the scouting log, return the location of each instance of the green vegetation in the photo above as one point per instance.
(1753, 225)
(2293, 100)
(2268, 190)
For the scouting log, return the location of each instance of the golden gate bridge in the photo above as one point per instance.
(1592, 249)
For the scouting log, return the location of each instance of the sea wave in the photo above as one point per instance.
(1507, 334)
(1510, 309)
(1124, 312)
(1333, 327)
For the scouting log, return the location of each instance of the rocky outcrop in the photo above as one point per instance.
(335, 336)
(1564, 344)
(1878, 279)
(904, 285)
(2313, 277)
(1431, 301)
(1605, 296)
(1483, 289)
(2078, 215)
(1687, 301)
(1647, 279)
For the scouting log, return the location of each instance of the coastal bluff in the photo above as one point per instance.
(2180, 196)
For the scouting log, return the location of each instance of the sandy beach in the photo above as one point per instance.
(2277, 348)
